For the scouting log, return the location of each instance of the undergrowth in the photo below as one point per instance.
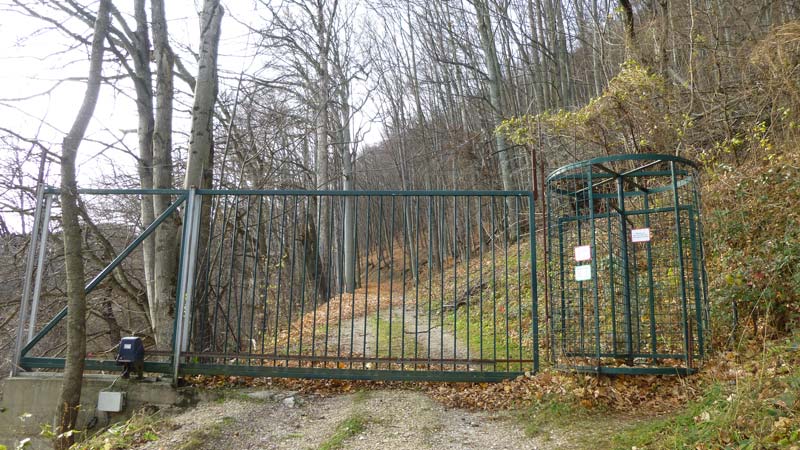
(757, 409)
(139, 429)
(753, 223)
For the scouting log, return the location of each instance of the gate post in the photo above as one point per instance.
(26, 288)
(626, 282)
(534, 282)
(37, 285)
(183, 310)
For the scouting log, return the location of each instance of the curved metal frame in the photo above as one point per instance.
(644, 307)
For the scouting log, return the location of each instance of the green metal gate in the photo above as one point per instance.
(428, 285)
(390, 285)
(625, 265)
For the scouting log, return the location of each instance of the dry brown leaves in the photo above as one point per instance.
(650, 394)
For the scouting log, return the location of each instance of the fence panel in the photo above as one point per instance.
(436, 285)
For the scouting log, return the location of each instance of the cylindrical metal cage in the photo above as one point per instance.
(625, 265)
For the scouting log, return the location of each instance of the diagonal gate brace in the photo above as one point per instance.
(107, 270)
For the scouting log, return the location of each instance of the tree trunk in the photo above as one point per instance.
(321, 131)
(69, 400)
(495, 94)
(144, 105)
(549, 101)
(630, 31)
(563, 55)
(347, 185)
(201, 140)
(664, 41)
(405, 176)
(596, 70)
(199, 166)
(162, 304)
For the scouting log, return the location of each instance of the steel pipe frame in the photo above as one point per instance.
(37, 287)
(103, 273)
(26, 287)
(698, 272)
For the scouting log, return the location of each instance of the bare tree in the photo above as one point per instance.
(495, 89)
(201, 143)
(303, 30)
(69, 400)
(165, 271)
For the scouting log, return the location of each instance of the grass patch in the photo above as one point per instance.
(501, 308)
(562, 418)
(235, 394)
(348, 428)
(360, 397)
(488, 327)
(397, 343)
(551, 413)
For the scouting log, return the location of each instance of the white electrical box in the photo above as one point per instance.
(111, 401)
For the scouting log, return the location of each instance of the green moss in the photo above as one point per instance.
(352, 426)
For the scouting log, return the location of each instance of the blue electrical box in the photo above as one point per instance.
(131, 356)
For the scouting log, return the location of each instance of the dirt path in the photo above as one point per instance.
(390, 419)
(428, 335)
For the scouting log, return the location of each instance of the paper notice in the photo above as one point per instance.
(640, 235)
(583, 253)
(583, 273)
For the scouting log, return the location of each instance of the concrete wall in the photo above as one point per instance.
(37, 394)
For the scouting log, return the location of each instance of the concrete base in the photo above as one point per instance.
(30, 401)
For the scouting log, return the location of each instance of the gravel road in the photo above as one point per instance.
(392, 419)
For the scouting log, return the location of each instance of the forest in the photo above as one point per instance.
(357, 98)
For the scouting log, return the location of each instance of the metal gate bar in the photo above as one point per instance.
(428, 285)
(444, 285)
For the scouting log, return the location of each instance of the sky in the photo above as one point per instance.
(42, 84)
(36, 61)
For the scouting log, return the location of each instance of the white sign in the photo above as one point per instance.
(583, 273)
(583, 253)
(640, 235)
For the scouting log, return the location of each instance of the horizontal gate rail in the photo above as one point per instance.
(257, 356)
(412, 193)
(35, 362)
(346, 374)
